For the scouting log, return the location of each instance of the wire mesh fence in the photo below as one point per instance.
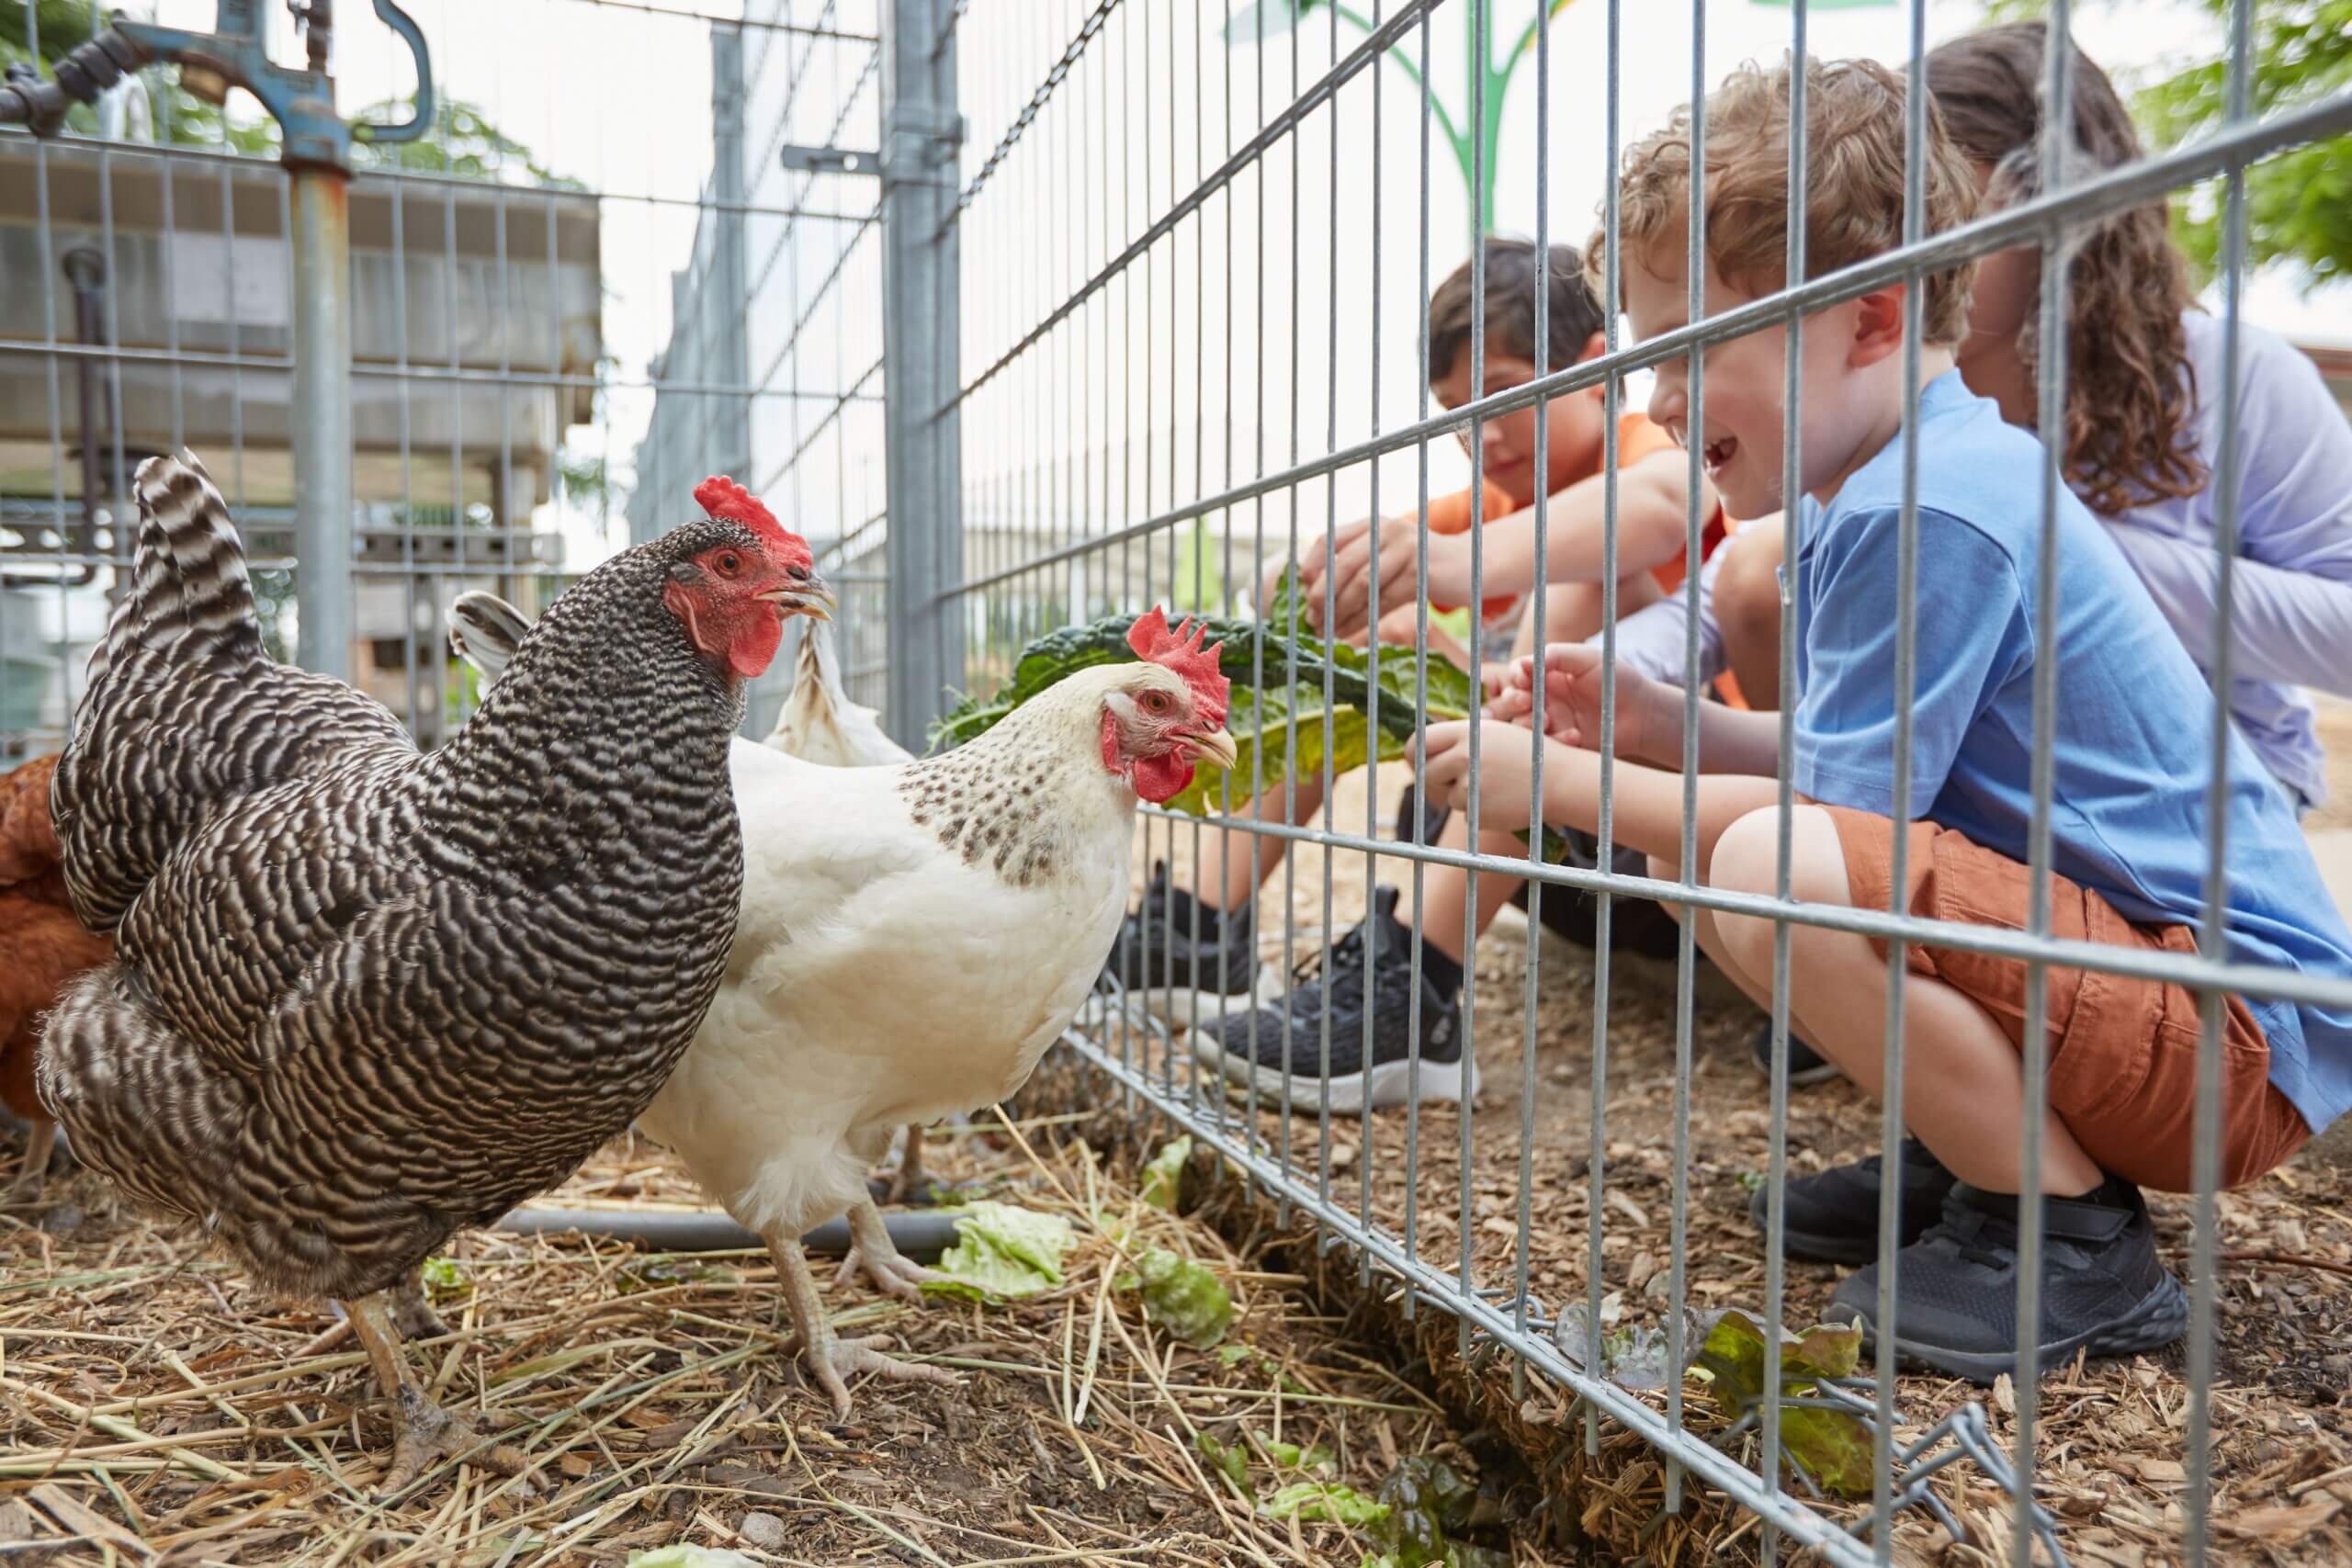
(557, 325)
(1035, 315)
(1194, 260)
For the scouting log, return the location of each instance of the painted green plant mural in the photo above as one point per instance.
(1473, 130)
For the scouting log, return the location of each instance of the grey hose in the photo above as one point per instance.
(921, 1235)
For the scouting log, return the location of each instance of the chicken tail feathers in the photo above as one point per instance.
(484, 631)
(819, 723)
(816, 663)
(185, 711)
(190, 600)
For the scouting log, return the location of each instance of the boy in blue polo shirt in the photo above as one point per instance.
(2131, 732)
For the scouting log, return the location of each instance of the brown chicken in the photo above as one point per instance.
(42, 947)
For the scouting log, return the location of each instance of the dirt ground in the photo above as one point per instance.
(156, 1409)
(2111, 1437)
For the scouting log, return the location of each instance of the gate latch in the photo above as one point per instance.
(919, 148)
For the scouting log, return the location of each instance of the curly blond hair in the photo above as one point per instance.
(1854, 135)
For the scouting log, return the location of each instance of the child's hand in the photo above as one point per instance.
(1505, 789)
(1354, 570)
(1572, 694)
(1510, 692)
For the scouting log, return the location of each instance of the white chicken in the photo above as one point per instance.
(818, 724)
(913, 938)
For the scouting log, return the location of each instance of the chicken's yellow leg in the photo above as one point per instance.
(426, 1432)
(908, 1181)
(832, 1359)
(874, 1255)
(39, 1145)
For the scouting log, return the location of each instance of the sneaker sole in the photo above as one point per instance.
(1178, 1006)
(1380, 1087)
(2158, 1320)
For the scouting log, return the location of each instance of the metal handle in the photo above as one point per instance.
(413, 128)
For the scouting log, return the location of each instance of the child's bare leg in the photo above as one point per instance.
(1237, 870)
(1747, 608)
(1445, 890)
(1963, 1079)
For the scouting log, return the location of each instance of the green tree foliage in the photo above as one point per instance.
(2299, 203)
(463, 141)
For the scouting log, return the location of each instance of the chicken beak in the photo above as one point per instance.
(810, 598)
(1217, 744)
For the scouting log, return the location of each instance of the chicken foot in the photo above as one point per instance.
(40, 1143)
(874, 1255)
(412, 1315)
(832, 1359)
(426, 1433)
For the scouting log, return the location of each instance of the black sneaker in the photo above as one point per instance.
(1833, 1217)
(2102, 1288)
(1174, 944)
(1250, 1045)
(1807, 1067)
(1635, 925)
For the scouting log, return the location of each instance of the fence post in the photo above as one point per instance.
(323, 538)
(923, 481)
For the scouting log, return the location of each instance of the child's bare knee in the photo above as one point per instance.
(1747, 860)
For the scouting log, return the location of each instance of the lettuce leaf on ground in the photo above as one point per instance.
(1002, 1253)
(1184, 1297)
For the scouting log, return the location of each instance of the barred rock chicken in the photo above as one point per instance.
(364, 996)
(818, 724)
(915, 958)
(42, 947)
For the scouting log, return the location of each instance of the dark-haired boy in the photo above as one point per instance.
(1651, 520)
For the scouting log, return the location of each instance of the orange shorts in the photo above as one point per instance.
(2122, 1050)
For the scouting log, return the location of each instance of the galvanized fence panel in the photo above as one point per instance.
(1143, 345)
(562, 318)
(1174, 378)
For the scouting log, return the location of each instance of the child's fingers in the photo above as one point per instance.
(1445, 753)
(1571, 659)
(1352, 546)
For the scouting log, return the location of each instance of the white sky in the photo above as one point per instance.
(621, 100)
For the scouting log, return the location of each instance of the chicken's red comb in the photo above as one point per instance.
(723, 498)
(1182, 651)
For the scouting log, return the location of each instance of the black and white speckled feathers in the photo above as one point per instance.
(362, 996)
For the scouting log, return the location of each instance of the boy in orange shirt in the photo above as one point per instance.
(1181, 942)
